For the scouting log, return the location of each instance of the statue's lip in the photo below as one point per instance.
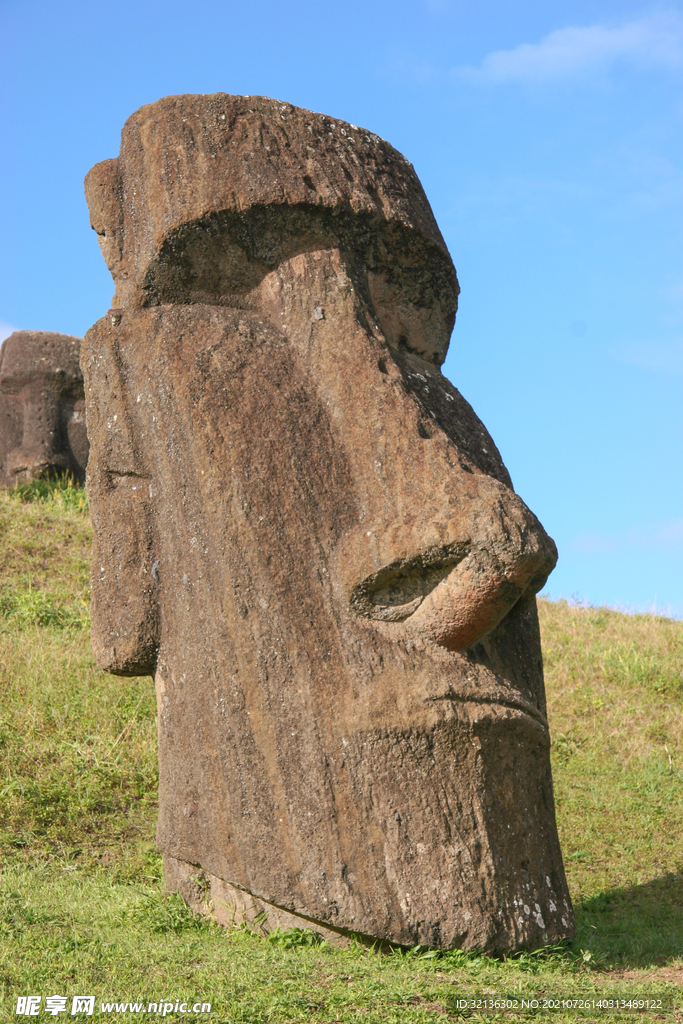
(499, 699)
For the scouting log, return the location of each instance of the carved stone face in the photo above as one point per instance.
(305, 533)
(42, 407)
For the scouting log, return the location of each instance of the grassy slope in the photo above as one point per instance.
(83, 906)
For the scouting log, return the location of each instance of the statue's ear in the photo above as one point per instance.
(125, 569)
(104, 199)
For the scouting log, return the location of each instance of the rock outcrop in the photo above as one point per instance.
(304, 532)
(42, 407)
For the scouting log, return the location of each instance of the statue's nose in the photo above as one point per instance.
(449, 576)
(479, 592)
(42, 449)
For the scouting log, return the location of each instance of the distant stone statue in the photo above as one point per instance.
(42, 408)
(305, 534)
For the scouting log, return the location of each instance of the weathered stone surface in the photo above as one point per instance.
(305, 533)
(42, 407)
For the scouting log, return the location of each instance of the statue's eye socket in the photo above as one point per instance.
(398, 599)
(398, 590)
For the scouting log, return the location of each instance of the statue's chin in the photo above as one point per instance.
(31, 466)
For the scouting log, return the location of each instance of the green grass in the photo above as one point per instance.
(83, 906)
(615, 690)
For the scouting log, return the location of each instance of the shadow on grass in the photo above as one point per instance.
(638, 926)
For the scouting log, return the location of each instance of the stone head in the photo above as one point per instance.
(304, 532)
(42, 407)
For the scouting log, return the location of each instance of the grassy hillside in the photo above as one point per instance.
(83, 908)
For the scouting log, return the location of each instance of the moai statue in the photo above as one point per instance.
(42, 407)
(305, 534)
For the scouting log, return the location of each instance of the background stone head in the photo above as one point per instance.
(42, 407)
(305, 533)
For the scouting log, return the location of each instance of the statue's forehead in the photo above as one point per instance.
(33, 355)
(210, 192)
(203, 153)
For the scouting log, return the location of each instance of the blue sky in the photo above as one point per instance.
(549, 139)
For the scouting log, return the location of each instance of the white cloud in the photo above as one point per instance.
(573, 51)
(594, 544)
(662, 535)
(656, 356)
(437, 6)
(5, 331)
(674, 290)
